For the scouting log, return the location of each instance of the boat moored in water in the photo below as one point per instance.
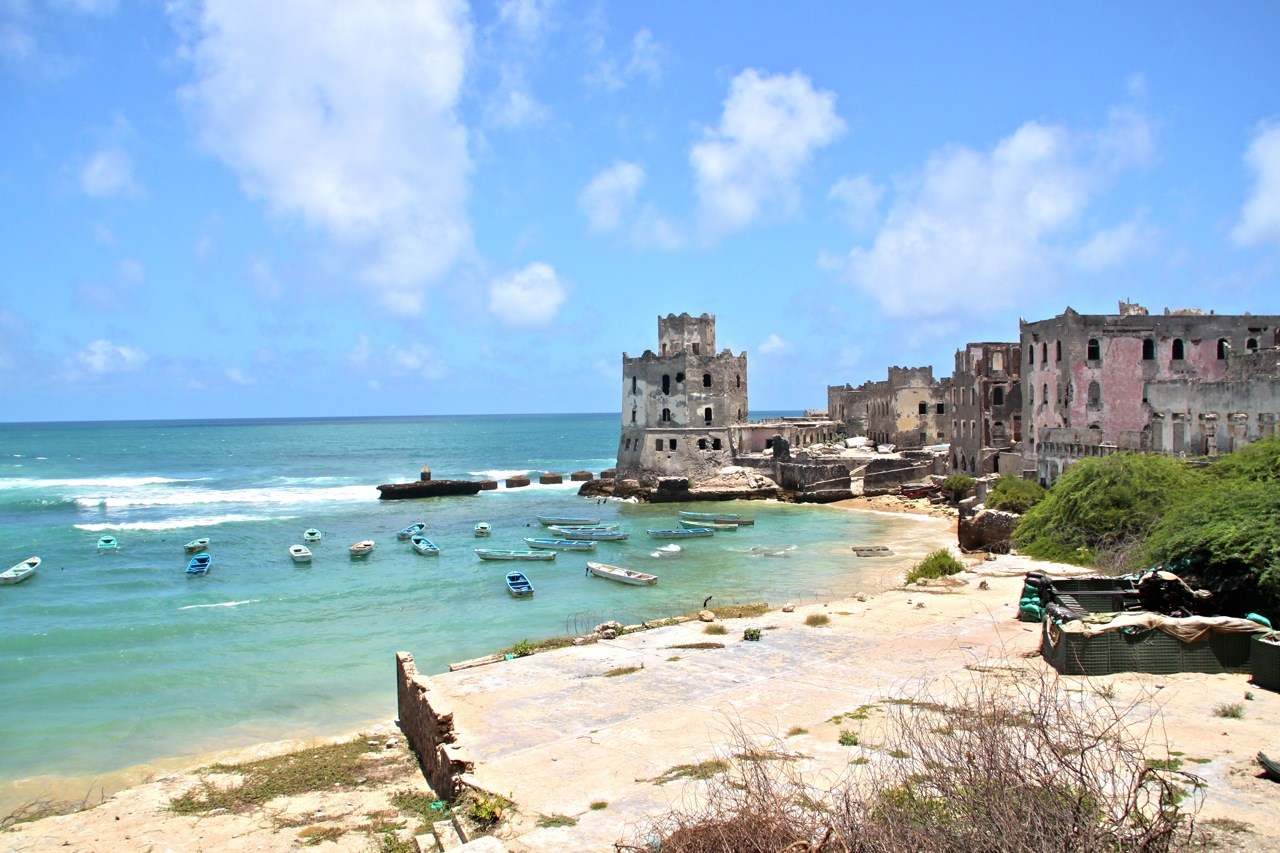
(362, 548)
(199, 564)
(597, 533)
(722, 517)
(416, 527)
(549, 543)
(107, 544)
(681, 533)
(508, 554)
(617, 573)
(518, 585)
(20, 572)
(566, 521)
(300, 553)
(714, 525)
(312, 535)
(424, 546)
(483, 529)
(196, 545)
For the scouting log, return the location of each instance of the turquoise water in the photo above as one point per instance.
(112, 660)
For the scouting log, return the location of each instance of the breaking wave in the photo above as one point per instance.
(179, 523)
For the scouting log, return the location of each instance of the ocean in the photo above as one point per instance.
(109, 661)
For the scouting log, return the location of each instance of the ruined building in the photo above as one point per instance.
(909, 409)
(1088, 382)
(848, 406)
(986, 407)
(678, 404)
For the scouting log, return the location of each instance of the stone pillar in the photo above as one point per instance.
(426, 474)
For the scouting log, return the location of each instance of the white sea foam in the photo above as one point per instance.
(86, 483)
(178, 523)
(221, 604)
(499, 474)
(257, 497)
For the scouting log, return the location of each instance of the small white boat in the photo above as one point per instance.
(682, 533)
(196, 545)
(714, 525)
(566, 520)
(483, 529)
(507, 554)
(416, 527)
(549, 543)
(300, 553)
(424, 546)
(617, 573)
(21, 571)
(362, 548)
(721, 517)
(589, 533)
(312, 535)
(107, 544)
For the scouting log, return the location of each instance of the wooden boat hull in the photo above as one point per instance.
(621, 575)
(312, 535)
(596, 535)
(199, 564)
(544, 543)
(505, 554)
(518, 585)
(684, 533)
(425, 546)
(714, 525)
(410, 530)
(566, 521)
(362, 549)
(20, 572)
(723, 517)
(107, 544)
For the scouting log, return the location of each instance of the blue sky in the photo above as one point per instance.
(245, 209)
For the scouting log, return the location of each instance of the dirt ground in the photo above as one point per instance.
(583, 739)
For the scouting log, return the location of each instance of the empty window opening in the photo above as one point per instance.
(1057, 350)
(1044, 394)
(940, 409)
(633, 384)
(1031, 354)
(664, 352)
(657, 444)
(1179, 350)
(1094, 351)
(680, 377)
(997, 362)
(695, 349)
(1223, 346)
(1148, 349)
(666, 384)
(706, 380)
(633, 415)
(1044, 352)
(997, 396)
(666, 415)
(739, 413)
(737, 381)
(768, 443)
(924, 408)
(702, 444)
(706, 414)
(1251, 345)
(671, 444)
(715, 444)
(1095, 395)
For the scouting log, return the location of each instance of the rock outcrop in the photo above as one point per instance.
(989, 530)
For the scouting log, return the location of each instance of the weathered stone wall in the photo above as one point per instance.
(887, 476)
(848, 406)
(986, 406)
(427, 724)
(909, 409)
(1217, 417)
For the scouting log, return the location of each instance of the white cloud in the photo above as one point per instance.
(237, 376)
(1260, 218)
(358, 355)
(527, 18)
(611, 195)
(974, 229)
(774, 345)
(101, 357)
(131, 271)
(644, 61)
(768, 132)
(417, 360)
(96, 8)
(108, 172)
(858, 198)
(344, 115)
(1114, 246)
(530, 297)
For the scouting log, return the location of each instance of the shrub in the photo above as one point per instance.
(1230, 711)
(1103, 504)
(957, 484)
(1014, 494)
(752, 634)
(935, 565)
(524, 648)
(848, 737)
(715, 628)
(816, 620)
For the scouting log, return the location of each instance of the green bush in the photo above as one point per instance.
(935, 565)
(1103, 504)
(957, 484)
(1014, 494)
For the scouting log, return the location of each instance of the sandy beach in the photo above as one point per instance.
(589, 735)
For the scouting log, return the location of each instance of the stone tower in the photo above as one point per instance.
(678, 404)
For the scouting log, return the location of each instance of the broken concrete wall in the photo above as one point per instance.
(986, 405)
(427, 724)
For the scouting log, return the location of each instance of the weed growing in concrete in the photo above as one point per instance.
(599, 805)
(816, 620)
(1230, 711)
(550, 821)
(797, 730)
(848, 737)
(622, 670)
(715, 628)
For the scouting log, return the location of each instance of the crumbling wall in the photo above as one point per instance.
(427, 724)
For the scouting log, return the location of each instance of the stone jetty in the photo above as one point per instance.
(425, 487)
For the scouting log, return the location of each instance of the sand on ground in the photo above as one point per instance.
(591, 732)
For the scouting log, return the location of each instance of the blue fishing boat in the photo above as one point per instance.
(566, 520)
(424, 546)
(416, 527)
(681, 533)
(518, 585)
(595, 533)
(199, 564)
(547, 543)
(107, 544)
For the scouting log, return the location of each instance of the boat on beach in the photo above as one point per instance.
(566, 521)
(483, 529)
(714, 525)
(300, 553)
(416, 527)
(107, 544)
(617, 573)
(199, 564)
(362, 548)
(424, 546)
(681, 533)
(196, 545)
(597, 533)
(722, 517)
(549, 543)
(518, 585)
(20, 572)
(508, 554)
(312, 535)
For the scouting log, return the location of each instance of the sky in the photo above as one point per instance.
(417, 207)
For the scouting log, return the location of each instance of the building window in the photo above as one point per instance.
(666, 415)
(680, 377)
(1223, 346)
(633, 385)
(1031, 354)
(940, 409)
(739, 413)
(1179, 350)
(1095, 395)
(664, 352)
(1057, 350)
(715, 444)
(924, 408)
(1148, 349)
(1251, 345)
(1044, 394)
(657, 444)
(706, 380)
(997, 362)
(671, 444)
(633, 415)
(1044, 352)
(737, 381)
(666, 384)
(997, 396)
(702, 444)
(706, 414)
(1144, 392)
(1031, 395)
(1094, 351)
(695, 349)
